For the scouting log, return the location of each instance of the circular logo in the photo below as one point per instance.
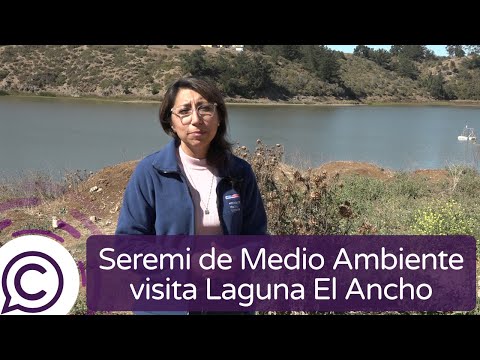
(38, 276)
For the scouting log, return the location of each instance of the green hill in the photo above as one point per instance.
(287, 73)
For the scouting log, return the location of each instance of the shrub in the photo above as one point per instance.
(297, 203)
(405, 185)
(443, 218)
(362, 191)
(3, 74)
(47, 94)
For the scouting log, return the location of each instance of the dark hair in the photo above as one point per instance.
(220, 147)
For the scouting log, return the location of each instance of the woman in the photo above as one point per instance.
(194, 185)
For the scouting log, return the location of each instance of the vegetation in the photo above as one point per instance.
(443, 218)
(298, 201)
(294, 73)
(313, 202)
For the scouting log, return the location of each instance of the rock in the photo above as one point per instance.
(93, 189)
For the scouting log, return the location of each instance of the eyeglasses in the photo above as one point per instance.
(205, 111)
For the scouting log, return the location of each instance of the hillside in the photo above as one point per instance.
(144, 72)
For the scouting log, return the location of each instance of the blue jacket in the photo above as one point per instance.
(157, 200)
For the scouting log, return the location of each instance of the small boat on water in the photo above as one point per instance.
(468, 134)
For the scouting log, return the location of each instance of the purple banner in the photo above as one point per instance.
(281, 273)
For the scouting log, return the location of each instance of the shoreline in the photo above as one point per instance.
(261, 102)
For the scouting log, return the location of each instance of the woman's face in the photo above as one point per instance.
(195, 121)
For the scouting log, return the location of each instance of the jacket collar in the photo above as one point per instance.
(166, 161)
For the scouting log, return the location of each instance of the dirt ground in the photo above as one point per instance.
(91, 208)
(359, 168)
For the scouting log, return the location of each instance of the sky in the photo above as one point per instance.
(439, 50)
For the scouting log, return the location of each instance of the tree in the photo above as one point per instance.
(395, 49)
(382, 57)
(258, 48)
(289, 52)
(247, 76)
(462, 50)
(455, 50)
(362, 51)
(473, 62)
(434, 84)
(414, 52)
(406, 67)
(327, 67)
(472, 49)
(196, 63)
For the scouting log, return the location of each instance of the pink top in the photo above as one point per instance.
(202, 182)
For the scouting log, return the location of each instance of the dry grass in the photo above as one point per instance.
(336, 198)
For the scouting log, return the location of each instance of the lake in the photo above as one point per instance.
(55, 135)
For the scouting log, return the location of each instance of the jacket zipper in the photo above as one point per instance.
(191, 231)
